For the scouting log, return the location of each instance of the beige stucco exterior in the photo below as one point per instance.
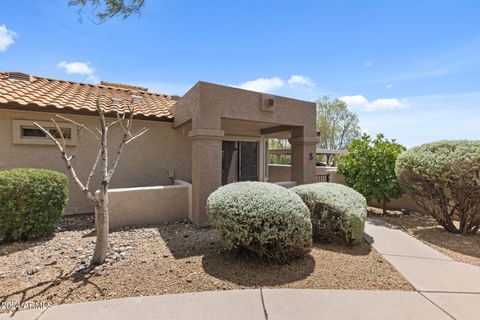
(190, 147)
(145, 162)
(280, 173)
(213, 112)
(159, 204)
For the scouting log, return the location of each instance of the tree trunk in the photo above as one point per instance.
(101, 223)
(384, 207)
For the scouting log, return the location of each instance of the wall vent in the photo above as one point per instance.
(268, 103)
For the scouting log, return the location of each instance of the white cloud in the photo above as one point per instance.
(81, 68)
(359, 101)
(263, 84)
(6, 38)
(428, 118)
(296, 81)
(389, 86)
(368, 64)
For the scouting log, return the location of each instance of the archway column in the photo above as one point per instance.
(206, 170)
(303, 154)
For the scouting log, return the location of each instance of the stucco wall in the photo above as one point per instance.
(159, 204)
(145, 162)
(280, 172)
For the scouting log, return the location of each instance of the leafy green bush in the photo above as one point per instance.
(268, 220)
(444, 179)
(337, 211)
(31, 202)
(369, 168)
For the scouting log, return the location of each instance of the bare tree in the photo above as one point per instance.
(124, 120)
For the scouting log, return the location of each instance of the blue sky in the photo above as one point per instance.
(410, 69)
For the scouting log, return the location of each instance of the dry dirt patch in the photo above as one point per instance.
(425, 228)
(174, 258)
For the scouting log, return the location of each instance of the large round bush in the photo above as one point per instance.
(263, 218)
(31, 202)
(444, 179)
(337, 211)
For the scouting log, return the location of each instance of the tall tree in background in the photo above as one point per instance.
(336, 124)
(103, 10)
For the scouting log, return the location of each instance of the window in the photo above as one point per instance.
(25, 132)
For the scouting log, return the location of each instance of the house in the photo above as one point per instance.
(211, 136)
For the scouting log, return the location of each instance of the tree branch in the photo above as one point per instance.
(79, 125)
(92, 172)
(68, 164)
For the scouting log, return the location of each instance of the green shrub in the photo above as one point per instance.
(268, 220)
(369, 168)
(444, 179)
(31, 202)
(337, 211)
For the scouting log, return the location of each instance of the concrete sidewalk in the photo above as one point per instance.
(256, 304)
(452, 286)
(445, 289)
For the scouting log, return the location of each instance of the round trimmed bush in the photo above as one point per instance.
(336, 211)
(444, 179)
(31, 202)
(268, 220)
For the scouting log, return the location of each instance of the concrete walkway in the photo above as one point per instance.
(272, 304)
(452, 286)
(445, 289)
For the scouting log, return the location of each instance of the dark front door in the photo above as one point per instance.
(239, 161)
(248, 160)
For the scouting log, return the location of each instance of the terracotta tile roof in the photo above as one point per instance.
(30, 92)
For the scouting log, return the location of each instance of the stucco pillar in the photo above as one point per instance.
(303, 158)
(206, 170)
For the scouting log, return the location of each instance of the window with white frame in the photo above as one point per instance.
(26, 132)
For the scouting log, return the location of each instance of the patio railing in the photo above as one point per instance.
(323, 177)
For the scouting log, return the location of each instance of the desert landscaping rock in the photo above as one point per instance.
(161, 260)
(425, 228)
(32, 270)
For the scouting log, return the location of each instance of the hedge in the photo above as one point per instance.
(31, 202)
(336, 211)
(444, 179)
(265, 219)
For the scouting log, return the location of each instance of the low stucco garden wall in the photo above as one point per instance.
(149, 205)
(281, 173)
(145, 162)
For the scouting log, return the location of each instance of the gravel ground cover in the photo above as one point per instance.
(168, 259)
(425, 228)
